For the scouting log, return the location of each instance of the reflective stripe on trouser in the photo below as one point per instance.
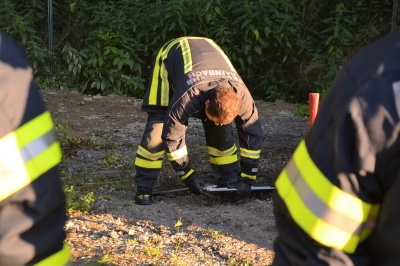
(249, 163)
(61, 257)
(27, 153)
(150, 154)
(180, 161)
(222, 151)
(326, 213)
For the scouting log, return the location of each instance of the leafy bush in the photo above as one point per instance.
(283, 49)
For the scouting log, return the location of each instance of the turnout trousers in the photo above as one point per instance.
(220, 145)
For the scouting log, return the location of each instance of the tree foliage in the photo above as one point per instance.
(283, 49)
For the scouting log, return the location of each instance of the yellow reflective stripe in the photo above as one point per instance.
(224, 160)
(13, 174)
(253, 154)
(334, 197)
(164, 101)
(60, 258)
(319, 207)
(187, 174)
(165, 86)
(22, 164)
(34, 129)
(215, 152)
(222, 53)
(371, 222)
(375, 208)
(176, 155)
(187, 56)
(328, 214)
(166, 50)
(318, 229)
(154, 80)
(37, 146)
(148, 164)
(252, 177)
(44, 161)
(149, 155)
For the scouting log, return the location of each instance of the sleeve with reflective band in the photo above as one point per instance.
(27, 153)
(146, 159)
(60, 258)
(329, 215)
(219, 157)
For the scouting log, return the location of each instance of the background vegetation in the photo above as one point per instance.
(283, 49)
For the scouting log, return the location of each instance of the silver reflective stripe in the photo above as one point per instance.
(216, 152)
(317, 206)
(152, 156)
(250, 153)
(164, 85)
(37, 146)
(177, 154)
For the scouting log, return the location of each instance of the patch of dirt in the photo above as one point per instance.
(215, 230)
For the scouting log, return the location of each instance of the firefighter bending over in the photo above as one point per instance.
(192, 77)
(338, 200)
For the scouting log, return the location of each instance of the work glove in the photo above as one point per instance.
(194, 183)
(243, 187)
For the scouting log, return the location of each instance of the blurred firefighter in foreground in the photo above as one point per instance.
(32, 202)
(337, 202)
(192, 77)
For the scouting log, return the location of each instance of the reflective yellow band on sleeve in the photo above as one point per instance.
(370, 223)
(187, 174)
(20, 164)
(34, 129)
(224, 160)
(215, 152)
(333, 196)
(253, 154)
(318, 229)
(328, 214)
(59, 258)
(44, 161)
(154, 81)
(149, 155)
(164, 100)
(178, 154)
(148, 164)
(252, 177)
(187, 56)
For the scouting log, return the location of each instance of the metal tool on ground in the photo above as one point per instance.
(213, 188)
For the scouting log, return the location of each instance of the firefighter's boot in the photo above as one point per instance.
(144, 196)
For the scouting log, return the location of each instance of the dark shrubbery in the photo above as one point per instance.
(283, 49)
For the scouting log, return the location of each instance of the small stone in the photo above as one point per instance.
(114, 234)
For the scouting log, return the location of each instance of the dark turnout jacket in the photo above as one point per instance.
(32, 202)
(186, 70)
(338, 198)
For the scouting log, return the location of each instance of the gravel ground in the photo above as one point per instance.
(100, 136)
